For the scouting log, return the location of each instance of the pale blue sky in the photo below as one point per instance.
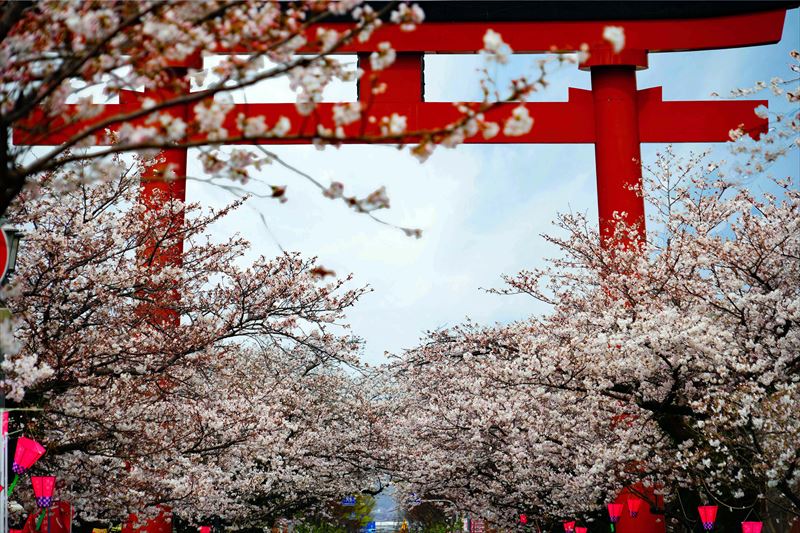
(482, 208)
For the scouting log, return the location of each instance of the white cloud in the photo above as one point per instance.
(481, 209)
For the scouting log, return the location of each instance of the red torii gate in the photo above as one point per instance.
(614, 115)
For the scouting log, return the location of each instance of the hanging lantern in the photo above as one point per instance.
(569, 527)
(615, 512)
(751, 527)
(523, 519)
(27, 453)
(580, 529)
(5, 423)
(43, 487)
(205, 529)
(708, 515)
(634, 504)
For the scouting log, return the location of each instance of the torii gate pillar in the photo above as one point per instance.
(616, 148)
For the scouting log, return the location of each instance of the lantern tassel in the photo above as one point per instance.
(41, 519)
(10, 489)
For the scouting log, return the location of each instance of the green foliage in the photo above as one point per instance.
(442, 527)
(349, 518)
(362, 511)
(319, 528)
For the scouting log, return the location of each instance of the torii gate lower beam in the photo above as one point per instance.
(614, 116)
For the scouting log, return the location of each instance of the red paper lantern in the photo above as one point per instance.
(28, 452)
(43, 487)
(580, 529)
(751, 527)
(615, 512)
(205, 529)
(708, 515)
(523, 519)
(634, 504)
(569, 527)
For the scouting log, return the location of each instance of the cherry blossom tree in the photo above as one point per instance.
(669, 364)
(212, 387)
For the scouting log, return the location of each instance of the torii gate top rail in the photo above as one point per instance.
(532, 36)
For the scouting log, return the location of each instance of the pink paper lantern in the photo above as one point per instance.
(43, 487)
(751, 527)
(28, 452)
(569, 527)
(205, 529)
(615, 512)
(5, 423)
(634, 504)
(708, 515)
(580, 529)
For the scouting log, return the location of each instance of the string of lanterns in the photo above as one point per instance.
(708, 517)
(26, 454)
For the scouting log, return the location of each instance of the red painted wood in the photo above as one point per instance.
(695, 121)
(555, 122)
(40, 130)
(163, 183)
(566, 36)
(604, 56)
(403, 80)
(157, 189)
(617, 155)
(610, 118)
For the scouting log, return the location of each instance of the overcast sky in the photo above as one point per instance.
(482, 208)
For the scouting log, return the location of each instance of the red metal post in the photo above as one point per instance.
(616, 148)
(166, 180)
(403, 80)
(618, 164)
(163, 183)
(655, 35)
